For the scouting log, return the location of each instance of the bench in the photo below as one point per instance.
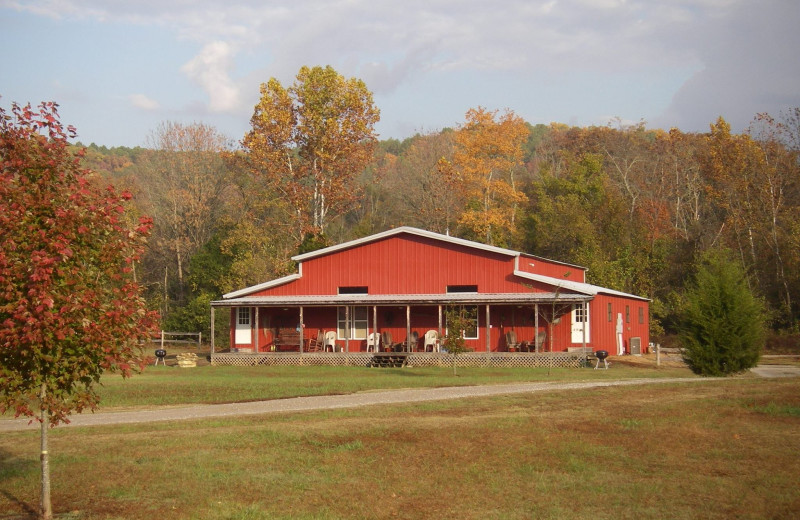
(287, 340)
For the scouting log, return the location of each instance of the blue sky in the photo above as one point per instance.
(118, 68)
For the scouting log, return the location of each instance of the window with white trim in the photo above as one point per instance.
(471, 313)
(243, 316)
(358, 322)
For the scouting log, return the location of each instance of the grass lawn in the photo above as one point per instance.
(721, 449)
(165, 386)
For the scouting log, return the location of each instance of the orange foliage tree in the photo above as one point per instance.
(486, 161)
(311, 141)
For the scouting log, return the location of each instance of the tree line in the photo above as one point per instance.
(637, 206)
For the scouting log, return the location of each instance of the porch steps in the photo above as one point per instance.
(389, 359)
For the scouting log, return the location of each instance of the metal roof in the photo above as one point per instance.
(401, 299)
(581, 287)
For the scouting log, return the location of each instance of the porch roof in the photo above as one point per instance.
(326, 300)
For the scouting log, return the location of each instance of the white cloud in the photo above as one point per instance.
(143, 102)
(672, 62)
(210, 69)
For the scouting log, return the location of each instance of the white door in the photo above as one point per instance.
(580, 322)
(243, 334)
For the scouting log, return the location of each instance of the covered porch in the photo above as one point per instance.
(325, 326)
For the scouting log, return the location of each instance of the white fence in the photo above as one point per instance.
(179, 337)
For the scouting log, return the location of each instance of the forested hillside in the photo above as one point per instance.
(635, 206)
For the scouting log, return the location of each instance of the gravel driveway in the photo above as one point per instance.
(299, 404)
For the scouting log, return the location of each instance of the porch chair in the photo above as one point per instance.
(431, 340)
(511, 341)
(316, 344)
(412, 341)
(540, 337)
(374, 342)
(388, 344)
(330, 340)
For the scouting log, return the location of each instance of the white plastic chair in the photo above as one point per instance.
(330, 340)
(432, 340)
(373, 342)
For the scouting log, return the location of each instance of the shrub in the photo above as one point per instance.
(722, 328)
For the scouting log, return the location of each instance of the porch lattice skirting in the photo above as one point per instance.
(363, 359)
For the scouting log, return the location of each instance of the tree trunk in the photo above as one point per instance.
(45, 507)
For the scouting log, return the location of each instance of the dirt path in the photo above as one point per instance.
(299, 404)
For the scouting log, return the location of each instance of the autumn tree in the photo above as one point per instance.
(486, 161)
(777, 193)
(414, 191)
(69, 308)
(185, 184)
(459, 320)
(310, 142)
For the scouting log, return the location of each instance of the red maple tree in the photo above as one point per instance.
(70, 308)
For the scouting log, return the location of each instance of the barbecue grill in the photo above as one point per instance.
(601, 355)
(160, 355)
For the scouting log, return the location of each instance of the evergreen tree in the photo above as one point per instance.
(723, 323)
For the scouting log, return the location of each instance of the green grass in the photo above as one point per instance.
(162, 386)
(718, 450)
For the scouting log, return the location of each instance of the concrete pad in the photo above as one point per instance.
(776, 371)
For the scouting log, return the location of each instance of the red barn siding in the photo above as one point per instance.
(404, 265)
(408, 263)
(551, 268)
(606, 328)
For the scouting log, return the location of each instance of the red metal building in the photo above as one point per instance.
(401, 282)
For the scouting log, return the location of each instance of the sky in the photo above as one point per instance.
(119, 68)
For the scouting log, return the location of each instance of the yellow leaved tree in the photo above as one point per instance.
(486, 164)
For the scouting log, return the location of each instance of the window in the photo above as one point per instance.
(627, 314)
(581, 312)
(360, 289)
(641, 315)
(243, 316)
(471, 314)
(358, 322)
(610, 314)
(462, 288)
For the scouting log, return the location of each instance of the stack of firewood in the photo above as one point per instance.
(187, 359)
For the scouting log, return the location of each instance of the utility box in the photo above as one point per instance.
(636, 346)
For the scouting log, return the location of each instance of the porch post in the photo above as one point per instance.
(347, 328)
(252, 325)
(536, 328)
(440, 328)
(255, 321)
(585, 321)
(488, 331)
(375, 328)
(408, 328)
(212, 330)
(302, 330)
